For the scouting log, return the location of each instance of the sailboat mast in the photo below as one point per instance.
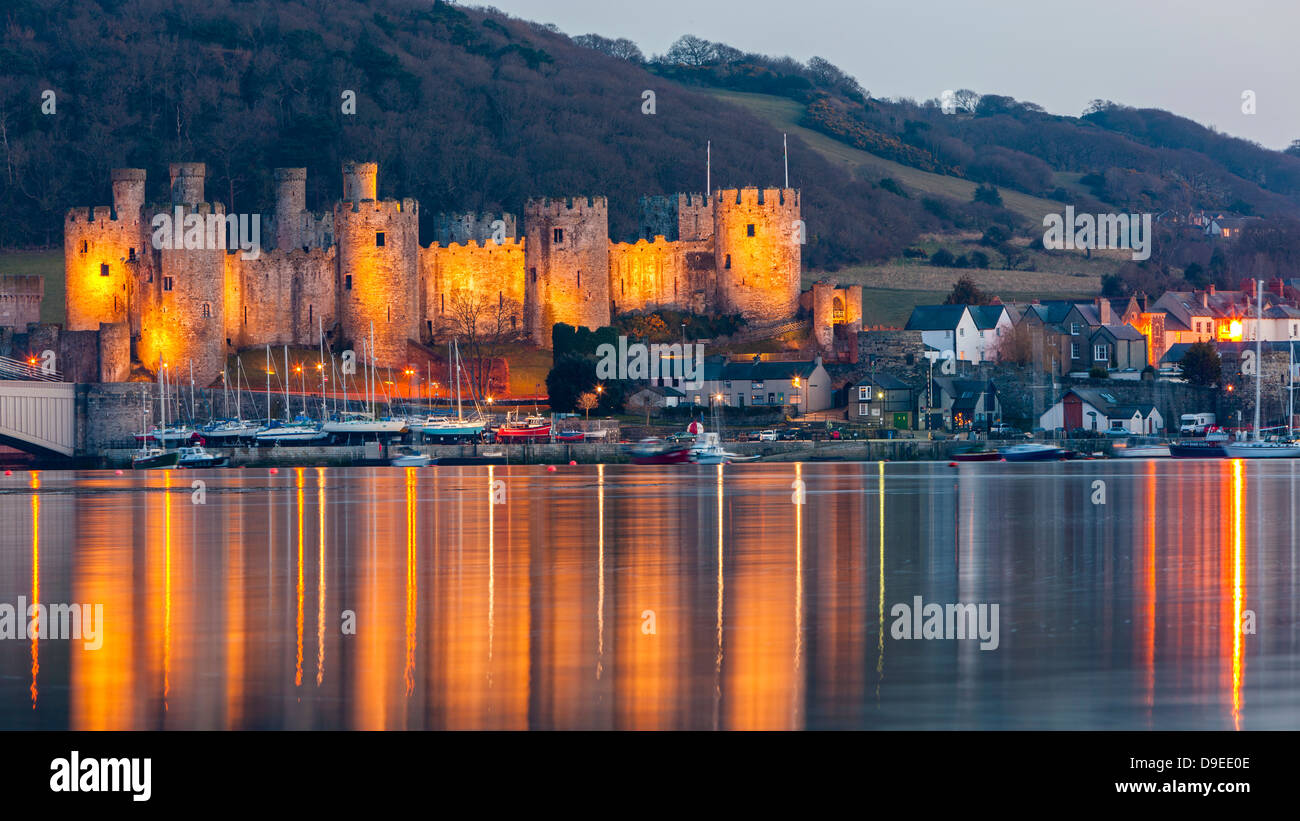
(459, 414)
(194, 409)
(1259, 321)
(374, 363)
(320, 333)
(286, 383)
(268, 384)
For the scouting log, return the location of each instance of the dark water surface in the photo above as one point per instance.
(657, 598)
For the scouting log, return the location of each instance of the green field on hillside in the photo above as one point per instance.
(784, 114)
(47, 264)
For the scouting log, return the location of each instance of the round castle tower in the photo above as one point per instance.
(756, 235)
(183, 307)
(566, 262)
(290, 203)
(378, 266)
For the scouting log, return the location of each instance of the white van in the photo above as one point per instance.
(1194, 424)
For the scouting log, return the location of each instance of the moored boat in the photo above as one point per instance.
(1196, 450)
(154, 459)
(199, 457)
(1033, 452)
(654, 451)
(977, 455)
(408, 458)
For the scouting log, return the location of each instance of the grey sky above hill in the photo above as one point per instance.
(1194, 58)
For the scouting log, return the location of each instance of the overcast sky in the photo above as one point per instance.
(1192, 57)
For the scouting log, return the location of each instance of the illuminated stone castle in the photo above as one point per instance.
(361, 265)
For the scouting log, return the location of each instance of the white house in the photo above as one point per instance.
(1101, 411)
(949, 328)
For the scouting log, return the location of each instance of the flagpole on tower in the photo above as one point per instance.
(708, 166)
(785, 146)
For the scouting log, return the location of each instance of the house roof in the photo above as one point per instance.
(662, 390)
(987, 316)
(1109, 404)
(765, 369)
(965, 393)
(1122, 332)
(934, 317)
(1089, 313)
(884, 381)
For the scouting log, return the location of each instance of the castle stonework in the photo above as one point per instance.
(360, 266)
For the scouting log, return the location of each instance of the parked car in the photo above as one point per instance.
(1005, 431)
(1119, 432)
(787, 434)
(767, 436)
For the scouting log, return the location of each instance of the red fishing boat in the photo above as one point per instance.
(659, 452)
(532, 427)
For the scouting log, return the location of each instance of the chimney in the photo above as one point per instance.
(1278, 286)
(1103, 310)
(1205, 299)
(1210, 289)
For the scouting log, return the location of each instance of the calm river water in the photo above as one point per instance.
(674, 597)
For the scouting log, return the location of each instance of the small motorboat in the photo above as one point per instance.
(408, 458)
(1140, 450)
(977, 455)
(570, 436)
(1033, 452)
(154, 459)
(1196, 450)
(485, 458)
(655, 451)
(199, 457)
(1261, 449)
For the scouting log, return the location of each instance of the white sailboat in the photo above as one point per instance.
(1257, 448)
(458, 426)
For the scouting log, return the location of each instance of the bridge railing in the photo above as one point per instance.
(27, 371)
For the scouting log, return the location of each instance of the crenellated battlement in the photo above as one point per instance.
(474, 246)
(87, 215)
(565, 206)
(755, 197)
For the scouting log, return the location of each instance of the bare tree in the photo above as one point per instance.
(586, 401)
(485, 327)
(690, 50)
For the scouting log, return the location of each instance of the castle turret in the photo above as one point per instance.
(101, 250)
(290, 203)
(757, 237)
(378, 259)
(128, 192)
(566, 256)
(360, 181)
(187, 182)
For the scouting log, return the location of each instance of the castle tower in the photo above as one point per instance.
(128, 192)
(566, 260)
(757, 247)
(187, 182)
(290, 203)
(101, 249)
(378, 267)
(182, 306)
(360, 181)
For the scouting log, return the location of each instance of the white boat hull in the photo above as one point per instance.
(1261, 450)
